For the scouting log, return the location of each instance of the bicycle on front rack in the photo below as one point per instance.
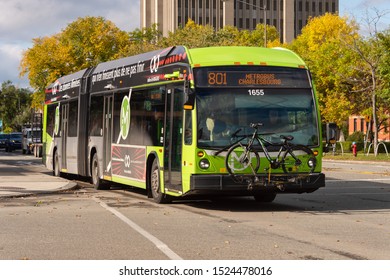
(243, 157)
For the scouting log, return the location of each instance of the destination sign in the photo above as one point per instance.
(265, 77)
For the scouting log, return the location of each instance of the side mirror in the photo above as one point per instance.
(189, 104)
(189, 95)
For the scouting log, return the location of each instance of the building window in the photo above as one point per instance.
(354, 124)
(362, 125)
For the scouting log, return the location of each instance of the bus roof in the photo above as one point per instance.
(153, 66)
(218, 56)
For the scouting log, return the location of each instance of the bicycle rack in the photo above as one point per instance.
(377, 147)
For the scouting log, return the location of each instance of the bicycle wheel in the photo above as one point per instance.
(305, 163)
(241, 161)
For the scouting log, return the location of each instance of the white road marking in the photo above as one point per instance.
(357, 180)
(159, 244)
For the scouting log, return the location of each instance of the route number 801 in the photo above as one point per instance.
(217, 78)
(256, 92)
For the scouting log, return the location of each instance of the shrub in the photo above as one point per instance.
(357, 136)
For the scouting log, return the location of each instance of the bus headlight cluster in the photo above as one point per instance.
(204, 163)
(312, 162)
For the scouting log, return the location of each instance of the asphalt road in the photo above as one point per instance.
(347, 220)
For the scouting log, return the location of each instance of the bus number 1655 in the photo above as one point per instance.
(256, 92)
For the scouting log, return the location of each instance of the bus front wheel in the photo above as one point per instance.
(155, 185)
(265, 198)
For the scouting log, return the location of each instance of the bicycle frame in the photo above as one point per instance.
(276, 162)
(284, 150)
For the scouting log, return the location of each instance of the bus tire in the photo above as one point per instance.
(265, 197)
(56, 165)
(155, 185)
(39, 151)
(95, 174)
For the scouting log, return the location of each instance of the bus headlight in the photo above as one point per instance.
(312, 162)
(204, 163)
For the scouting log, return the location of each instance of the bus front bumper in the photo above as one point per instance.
(280, 183)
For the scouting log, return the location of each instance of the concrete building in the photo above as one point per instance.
(288, 16)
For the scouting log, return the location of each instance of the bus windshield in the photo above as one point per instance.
(282, 111)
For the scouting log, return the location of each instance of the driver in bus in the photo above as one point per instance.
(275, 122)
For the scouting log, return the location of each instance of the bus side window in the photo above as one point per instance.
(96, 116)
(51, 111)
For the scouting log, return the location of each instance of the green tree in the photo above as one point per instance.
(192, 35)
(92, 40)
(325, 46)
(15, 106)
(384, 65)
(372, 81)
(142, 40)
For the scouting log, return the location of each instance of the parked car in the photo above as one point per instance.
(3, 138)
(14, 142)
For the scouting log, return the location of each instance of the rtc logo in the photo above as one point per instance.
(154, 63)
(127, 161)
(56, 88)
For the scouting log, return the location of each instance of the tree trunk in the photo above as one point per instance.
(374, 116)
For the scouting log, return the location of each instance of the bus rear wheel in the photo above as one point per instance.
(155, 185)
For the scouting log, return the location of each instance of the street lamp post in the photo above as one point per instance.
(264, 8)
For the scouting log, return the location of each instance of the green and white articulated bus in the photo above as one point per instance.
(144, 121)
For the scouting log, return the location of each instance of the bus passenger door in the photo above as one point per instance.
(173, 138)
(64, 133)
(107, 135)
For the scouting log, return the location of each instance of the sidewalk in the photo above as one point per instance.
(20, 178)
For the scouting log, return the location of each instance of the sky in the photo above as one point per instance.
(23, 20)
